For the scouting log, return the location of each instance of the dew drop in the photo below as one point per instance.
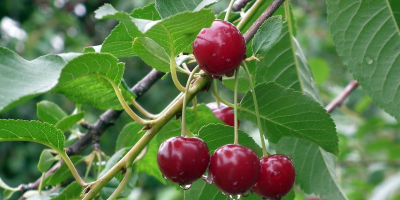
(225, 30)
(203, 31)
(223, 43)
(185, 187)
(228, 60)
(275, 173)
(234, 183)
(208, 178)
(164, 176)
(232, 198)
(223, 193)
(214, 54)
(369, 60)
(182, 173)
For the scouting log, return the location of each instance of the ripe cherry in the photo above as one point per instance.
(219, 49)
(234, 169)
(276, 178)
(223, 112)
(183, 160)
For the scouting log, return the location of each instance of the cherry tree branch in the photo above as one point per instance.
(239, 4)
(342, 96)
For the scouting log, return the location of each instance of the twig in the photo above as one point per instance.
(239, 4)
(264, 16)
(339, 99)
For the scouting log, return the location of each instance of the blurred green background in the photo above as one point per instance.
(369, 138)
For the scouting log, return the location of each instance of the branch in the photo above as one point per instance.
(239, 4)
(339, 99)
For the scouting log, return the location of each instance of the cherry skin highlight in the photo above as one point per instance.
(219, 49)
(276, 178)
(223, 112)
(183, 160)
(234, 169)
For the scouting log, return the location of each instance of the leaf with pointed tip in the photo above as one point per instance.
(217, 135)
(367, 37)
(151, 53)
(21, 80)
(67, 122)
(33, 131)
(167, 8)
(45, 161)
(177, 32)
(71, 192)
(315, 168)
(62, 173)
(82, 81)
(50, 112)
(285, 112)
(267, 35)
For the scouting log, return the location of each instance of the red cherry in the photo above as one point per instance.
(223, 112)
(276, 178)
(234, 168)
(183, 160)
(219, 49)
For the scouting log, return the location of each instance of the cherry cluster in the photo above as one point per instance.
(234, 169)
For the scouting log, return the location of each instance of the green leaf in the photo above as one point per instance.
(285, 64)
(367, 37)
(82, 81)
(130, 134)
(7, 194)
(320, 70)
(176, 33)
(21, 80)
(315, 168)
(62, 173)
(113, 160)
(148, 164)
(168, 8)
(285, 112)
(68, 121)
(45, 161)
(151, 53)
(33, 131)
(204, 116)
(119, 42)
(267, 35)
(71, 192)
(50, 112)
(243, 85)
(217, 135)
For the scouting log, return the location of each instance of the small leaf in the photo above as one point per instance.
(71, 192)
(50, 112)
(168, 8)
(82, 81)
(33, 131)
(285, 112)
(62, 173)
(68, 121)
(217, 135)
(148, 164)
(315, 168)
(129, 136)
(21, 80)
(45, 161)
(151, 53)
(267, 35)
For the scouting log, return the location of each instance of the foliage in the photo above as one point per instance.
(294, 75)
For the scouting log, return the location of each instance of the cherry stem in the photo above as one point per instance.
(143, 111)
(184, 127)
(121, 186)
(215, 93)
(173, 74)
(236, 138)
(195, 113)
(253, 92)
(229, 10)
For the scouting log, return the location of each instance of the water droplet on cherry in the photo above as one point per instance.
(185, 187)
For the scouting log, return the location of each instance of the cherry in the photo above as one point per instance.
(183, 160)
(276, 178)
(219, 49)
(234, 169)
(223, 112)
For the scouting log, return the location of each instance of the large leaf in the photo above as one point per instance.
(33, 131)
(367, 37)
(315, 168)
(82, 81)
(167, 8)
(21, 80)
(285, 112)
(217, 135)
